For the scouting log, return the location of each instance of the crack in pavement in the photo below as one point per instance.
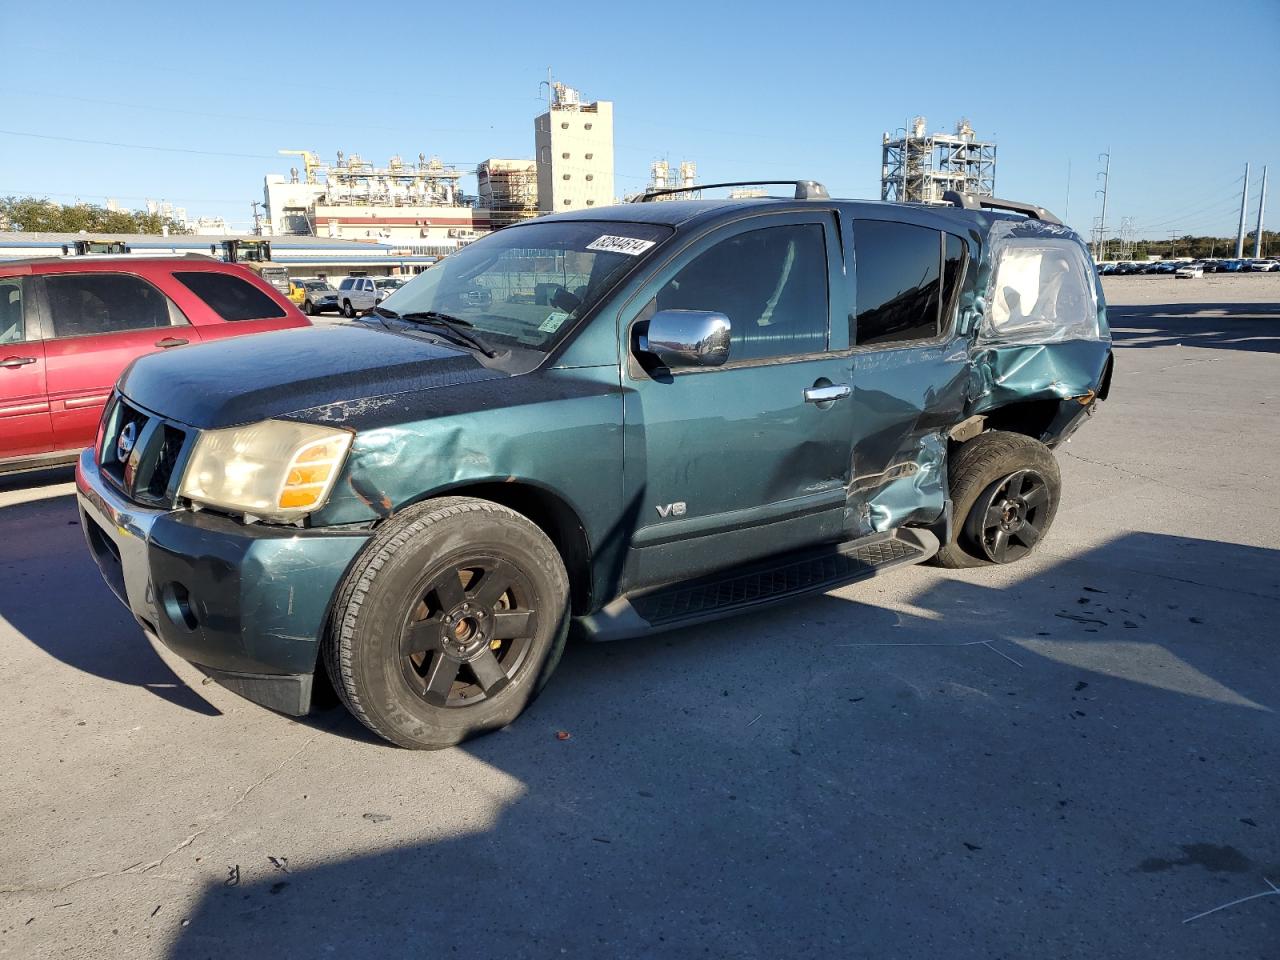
(143, 867)
(1140, 476)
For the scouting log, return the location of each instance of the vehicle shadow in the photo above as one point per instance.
(43, 557)
(1253, 327)
(37, 478)
(986, 771)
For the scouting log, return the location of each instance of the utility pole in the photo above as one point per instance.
(1262, 200)
(1244, 198)
(257, 219)
(1173, 244)
(1105, 174)
(1066, 211)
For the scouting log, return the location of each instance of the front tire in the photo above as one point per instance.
(348, 311)
(449, 623)
(309, 308)
(1005, 489)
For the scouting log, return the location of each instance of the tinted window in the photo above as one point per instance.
(92, 303)
(897, 282)
(231, 298)
(770, 283)
(13, 328)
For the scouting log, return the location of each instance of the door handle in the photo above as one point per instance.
(827, 394)
(168, 342)
(12, 362)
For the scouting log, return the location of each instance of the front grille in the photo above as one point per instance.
(141, 454)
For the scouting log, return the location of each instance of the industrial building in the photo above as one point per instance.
(574, 143)
(661, 177)
(508, 190)
(301, 256)
(411, 205)
(921, 166)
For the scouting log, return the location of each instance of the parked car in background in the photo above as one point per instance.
(814, 391)
(357, 294)
(389, 285)
(1264, 266)
(70, 325)
(1230, 266)
(318, 296)
(1190, 271)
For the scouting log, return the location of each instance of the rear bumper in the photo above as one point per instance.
(245, 603)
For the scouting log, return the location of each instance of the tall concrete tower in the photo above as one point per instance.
(574, 142)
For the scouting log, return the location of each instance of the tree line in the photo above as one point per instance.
(1198, 248)
(41, 215)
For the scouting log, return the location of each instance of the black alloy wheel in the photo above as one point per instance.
(468, 631)
(448, 623)
(1009, 519)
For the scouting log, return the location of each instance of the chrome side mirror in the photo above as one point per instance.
(687, 338)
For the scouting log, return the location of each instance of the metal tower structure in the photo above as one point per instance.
(920, 166)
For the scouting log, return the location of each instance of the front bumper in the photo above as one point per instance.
(245, 603)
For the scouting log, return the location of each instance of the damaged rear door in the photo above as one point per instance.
(910, 370)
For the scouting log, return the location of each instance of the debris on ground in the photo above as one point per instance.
(563, 735)
(280, 863)
(377, 817)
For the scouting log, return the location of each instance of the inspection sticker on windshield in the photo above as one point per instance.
(553, 322)
(628, 245)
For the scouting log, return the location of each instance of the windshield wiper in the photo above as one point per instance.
(435, 318)
(455, 325)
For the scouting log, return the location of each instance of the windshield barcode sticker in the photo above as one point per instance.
(555, 320)
(628, 245)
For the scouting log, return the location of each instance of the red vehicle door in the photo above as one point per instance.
(100, 322)
(25, 428)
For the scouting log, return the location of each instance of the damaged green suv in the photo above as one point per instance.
(619, 420)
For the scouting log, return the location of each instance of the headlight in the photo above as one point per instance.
(277, 469)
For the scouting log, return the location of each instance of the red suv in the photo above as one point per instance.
(69, 326)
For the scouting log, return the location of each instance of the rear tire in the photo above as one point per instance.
(1005, 489)
(449, 623)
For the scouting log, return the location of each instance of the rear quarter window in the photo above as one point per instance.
(231, 298)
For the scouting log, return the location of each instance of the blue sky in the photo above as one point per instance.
(748, 91)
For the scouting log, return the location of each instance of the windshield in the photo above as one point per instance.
(525, 285)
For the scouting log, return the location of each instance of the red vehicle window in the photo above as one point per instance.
(85, 304)
(229, 297)
(13, 328)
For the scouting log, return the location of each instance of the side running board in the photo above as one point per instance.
(757, 584)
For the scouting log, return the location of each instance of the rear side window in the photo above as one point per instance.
(898, 290)
(230, 297)
(1042, 292)
(87, 304)
(13, 327)
(770, 283)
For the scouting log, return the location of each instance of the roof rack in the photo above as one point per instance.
(805, 189)
(973, 201)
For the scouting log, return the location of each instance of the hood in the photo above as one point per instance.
(246, 379)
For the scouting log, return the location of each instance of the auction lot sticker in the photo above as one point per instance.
(628, 245)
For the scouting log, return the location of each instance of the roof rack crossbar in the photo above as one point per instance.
(973, 201)
(805, 189)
